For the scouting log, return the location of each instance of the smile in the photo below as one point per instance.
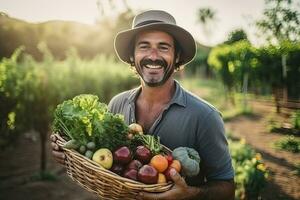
(153, 66)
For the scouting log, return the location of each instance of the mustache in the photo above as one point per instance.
(147, 61)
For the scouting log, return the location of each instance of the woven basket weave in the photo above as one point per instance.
(106, 184)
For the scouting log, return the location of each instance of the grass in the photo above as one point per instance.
(213, 92)
(205, 88)
(288, 143)
(283, 124)
(297, 171)
(238, 111)
(43, 176)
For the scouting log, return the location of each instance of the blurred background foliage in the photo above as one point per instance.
(61, 35)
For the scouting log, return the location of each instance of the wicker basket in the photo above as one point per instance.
(101, 181)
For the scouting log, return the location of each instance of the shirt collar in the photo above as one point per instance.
(179, 96)
(133, 95)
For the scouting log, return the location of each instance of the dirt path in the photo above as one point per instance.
(283, 182)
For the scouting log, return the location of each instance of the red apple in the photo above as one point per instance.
(148, 174)
(169, 158)
(117, 168)
(134, 164)
(131, 174)
(122, 155)
(167, 174)
(143, 154)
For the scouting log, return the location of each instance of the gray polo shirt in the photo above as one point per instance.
(186, 121)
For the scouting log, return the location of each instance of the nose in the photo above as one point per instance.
(153, 54)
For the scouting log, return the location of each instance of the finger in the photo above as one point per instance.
(53, 138)
(148, 196)
(62, 162)
(54, 146)
(157, 196)
(59, 155)
(178, 180)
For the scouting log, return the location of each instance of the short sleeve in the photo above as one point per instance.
(112, 105)
(117, 103)
(212, 146)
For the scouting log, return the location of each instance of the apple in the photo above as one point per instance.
(122, 155)
(103, 157)
(167, 174)
(169, 158)
(117, 168)
(143, 154)
(134, 164)
(148, 174)
(131, 174)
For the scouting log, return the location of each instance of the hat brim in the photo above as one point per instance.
(124, 41)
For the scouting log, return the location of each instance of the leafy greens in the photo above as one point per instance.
(85, 119)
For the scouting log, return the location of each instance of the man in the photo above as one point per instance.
(156, 47)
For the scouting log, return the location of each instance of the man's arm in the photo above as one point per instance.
(213, 190)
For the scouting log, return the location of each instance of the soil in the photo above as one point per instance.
(18, 174)
(19, 165)
(283, 181)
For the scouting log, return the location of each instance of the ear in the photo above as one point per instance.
(131, 59)
(177, 58)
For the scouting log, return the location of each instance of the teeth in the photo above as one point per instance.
(153, 66)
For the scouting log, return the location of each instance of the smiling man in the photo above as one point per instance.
(154, 57)
(156, 47)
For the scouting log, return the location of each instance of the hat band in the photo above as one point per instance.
(147, 22)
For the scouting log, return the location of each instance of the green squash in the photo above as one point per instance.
(189, 159)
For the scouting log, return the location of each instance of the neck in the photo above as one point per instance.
(158, 95)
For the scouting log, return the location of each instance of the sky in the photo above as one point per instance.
(230, 14)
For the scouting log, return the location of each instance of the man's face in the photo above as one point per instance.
(154, 57)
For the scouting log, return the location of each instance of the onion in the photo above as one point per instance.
(135, 128)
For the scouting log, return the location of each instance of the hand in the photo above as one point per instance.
(180, 190)
(57, 152)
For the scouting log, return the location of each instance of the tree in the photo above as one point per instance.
(110, 24)
(234, 63)
(236, 35)
(281, 21)
(206, 17)
(219, 59)
(199, 64)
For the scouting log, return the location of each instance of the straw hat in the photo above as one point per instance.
(155, 20)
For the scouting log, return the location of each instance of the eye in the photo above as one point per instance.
(164, 48)
(143, 47)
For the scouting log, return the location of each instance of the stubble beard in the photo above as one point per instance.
(153, 82)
